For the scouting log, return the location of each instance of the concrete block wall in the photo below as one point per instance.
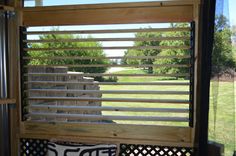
(75, 86)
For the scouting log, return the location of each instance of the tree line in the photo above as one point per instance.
(222, 57)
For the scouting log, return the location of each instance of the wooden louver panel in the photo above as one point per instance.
(63, 81)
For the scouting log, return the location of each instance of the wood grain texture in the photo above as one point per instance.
(114, 5)
(158, 135)
(127, 15)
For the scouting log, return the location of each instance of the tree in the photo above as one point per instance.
(79, 52)
(222, 56)
(144, 52)
(174, 52)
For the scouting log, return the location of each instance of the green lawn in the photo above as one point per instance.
(225, 119)
(224, 132)
(146, 96)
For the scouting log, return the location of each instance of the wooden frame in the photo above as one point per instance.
(108, 13)
(136, 134)
(166, 11)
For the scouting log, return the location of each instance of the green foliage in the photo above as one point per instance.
(61, 53)
(174, 52)
(145, 52)
(155, 52)
(222, 55)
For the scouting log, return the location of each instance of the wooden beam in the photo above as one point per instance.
(113, 5)
(159, 135)
(68, 16)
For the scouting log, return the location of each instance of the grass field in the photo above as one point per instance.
(146, 96)
(224, 127)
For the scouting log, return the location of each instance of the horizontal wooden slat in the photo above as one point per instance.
(108, 31)
(109, 117)
(7, 101)
(111, 57)
(109, 48)
(113, 65)
(107, 108)
(108, 39)
(138, 134)
(108, 16)
(110, 83)
(107, 74)
(110, 91)
(110, 99)
(112, 5)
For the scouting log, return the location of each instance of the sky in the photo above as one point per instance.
(228, 7)
(231, 4)
(232, 12)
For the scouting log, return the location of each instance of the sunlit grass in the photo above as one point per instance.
(224, 132)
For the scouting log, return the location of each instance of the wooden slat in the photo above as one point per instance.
(136, 134)
(107, 108)
(111, 57)
(108, 39)
(108, 16)
(7, 101)
(112, 5)
(108, 31)
(110, 99)
(109, 117)
(109, 48)
(107, 74)
(112, 65)
(110, 91)
(109, 83)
